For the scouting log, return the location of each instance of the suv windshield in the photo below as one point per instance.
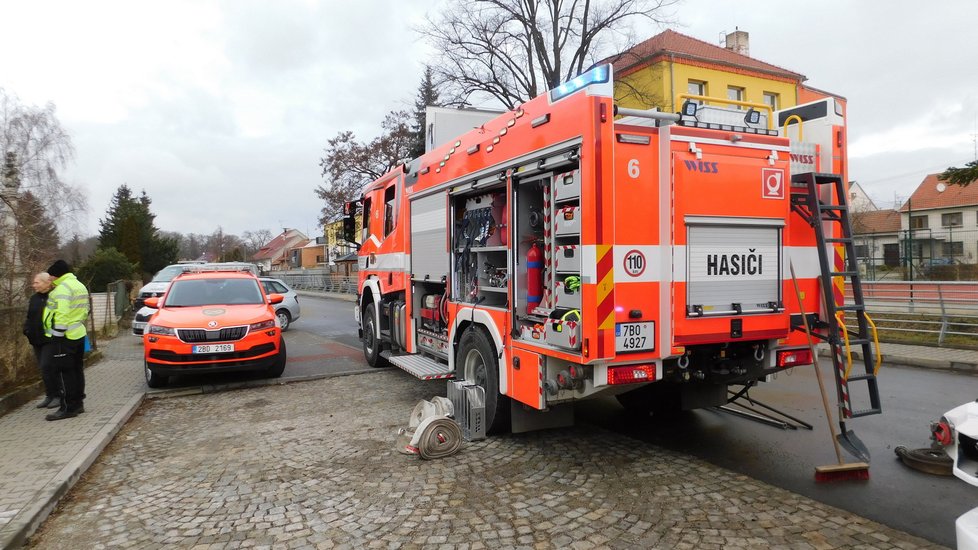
(167, 274)
(206, 292)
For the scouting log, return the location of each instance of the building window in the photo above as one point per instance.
(953, 248)
(772, 100)
(862, 250)
(696, 87)
(918, 222)
(735, 93)
(952, 219)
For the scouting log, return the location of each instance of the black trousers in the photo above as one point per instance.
(50, 376)
(68, 358)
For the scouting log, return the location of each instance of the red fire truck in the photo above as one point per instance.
(570, 249)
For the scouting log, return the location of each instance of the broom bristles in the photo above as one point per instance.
(858, 471)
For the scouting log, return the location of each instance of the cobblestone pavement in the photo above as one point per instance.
(313, 465)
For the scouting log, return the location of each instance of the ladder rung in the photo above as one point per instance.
(858, 377)
(866, 412)
(843, 273)
(858, 341)
(840, 240)
(854, 307)
(832, 207)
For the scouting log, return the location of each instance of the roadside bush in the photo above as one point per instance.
(105, 266)
(17, 364)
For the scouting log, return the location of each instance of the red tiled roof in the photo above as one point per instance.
(277, 245)
(685, 47)
(876, 221)
(927, 195)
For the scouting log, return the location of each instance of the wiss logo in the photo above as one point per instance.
(700, 166)
(804, 159)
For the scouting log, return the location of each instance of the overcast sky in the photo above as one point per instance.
(220, 109)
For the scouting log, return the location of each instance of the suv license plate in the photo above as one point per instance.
(635, 336)
(213, 348)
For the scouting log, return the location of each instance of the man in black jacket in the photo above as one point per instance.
(34, 331)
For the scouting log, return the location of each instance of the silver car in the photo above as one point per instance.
(287, 311)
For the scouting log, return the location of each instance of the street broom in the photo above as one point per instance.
(834, 472)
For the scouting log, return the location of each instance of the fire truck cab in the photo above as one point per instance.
(569, 249)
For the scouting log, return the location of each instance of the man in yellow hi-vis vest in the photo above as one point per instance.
(64, 322)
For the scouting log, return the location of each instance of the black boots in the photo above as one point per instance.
(61, 414)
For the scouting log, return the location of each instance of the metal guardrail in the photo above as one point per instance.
(934, 309)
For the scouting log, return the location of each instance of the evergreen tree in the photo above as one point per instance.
(128, 227)
(37, 234)
(961, 176)
(427, 97)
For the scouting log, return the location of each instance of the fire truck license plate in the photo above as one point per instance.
(635, 336)
(213, 348)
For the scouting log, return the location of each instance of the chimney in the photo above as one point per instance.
(739, 42)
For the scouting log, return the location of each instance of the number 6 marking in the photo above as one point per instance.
(633, 170)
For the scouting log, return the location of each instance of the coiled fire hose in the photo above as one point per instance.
(432, 432)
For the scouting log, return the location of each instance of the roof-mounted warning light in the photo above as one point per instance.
(598, 75)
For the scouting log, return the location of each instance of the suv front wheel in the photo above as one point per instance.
(154, 380)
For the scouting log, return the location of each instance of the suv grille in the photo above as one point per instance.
(219, 335)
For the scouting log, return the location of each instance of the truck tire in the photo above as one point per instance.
(477, 364)
(371, 344)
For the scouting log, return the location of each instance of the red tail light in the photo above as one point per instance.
(794, 358)
(631, 374)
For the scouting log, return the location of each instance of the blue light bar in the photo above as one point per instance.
(597, 75)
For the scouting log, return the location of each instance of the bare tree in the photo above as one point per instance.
(514, 50)
(34, 201)
(225, 247)
(38, 148)
(256, 239)
(350, 164)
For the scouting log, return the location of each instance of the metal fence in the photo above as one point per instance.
(931, 312)
(325, 282)
(939, 254)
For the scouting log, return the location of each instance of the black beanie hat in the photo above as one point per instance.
(59, 268)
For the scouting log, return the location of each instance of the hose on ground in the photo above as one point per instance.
(437, 437)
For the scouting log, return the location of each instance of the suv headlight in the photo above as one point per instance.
(262, 325)
(160, 331)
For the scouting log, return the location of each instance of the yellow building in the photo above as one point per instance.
(655, 72)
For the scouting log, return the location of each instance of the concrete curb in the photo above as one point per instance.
(29, 519)
(258, 383)
(918, 362)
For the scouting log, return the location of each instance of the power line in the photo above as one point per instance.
(927, 170)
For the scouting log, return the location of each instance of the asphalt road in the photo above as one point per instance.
(323, 341)
(895, 495)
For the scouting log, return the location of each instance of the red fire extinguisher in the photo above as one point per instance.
(534, 277)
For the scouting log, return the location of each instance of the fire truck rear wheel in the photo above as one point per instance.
(477, 364)
(371, 344)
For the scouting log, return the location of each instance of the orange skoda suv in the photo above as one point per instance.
(213, 321)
